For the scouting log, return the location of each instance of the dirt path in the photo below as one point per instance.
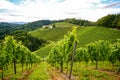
(8, 77)
(56, 75)
(26, 74)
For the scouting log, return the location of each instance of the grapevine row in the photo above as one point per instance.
(13, 52)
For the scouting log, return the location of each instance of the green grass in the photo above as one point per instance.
(91, 34)
(10, 71)
(40, 73)
(64, 24)
(43, 52)
(85, 34)
(84, 73)
(51, 34)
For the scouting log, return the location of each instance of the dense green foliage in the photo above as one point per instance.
(29, 41)
(34, 25)
(111, 21)
(13, 52)
(6, 28)
(99, 51)
(61, 51)
(80, 22)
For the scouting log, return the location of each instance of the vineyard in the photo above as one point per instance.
(100, 55)
(59, 39)
(14, 55)
(98, 60)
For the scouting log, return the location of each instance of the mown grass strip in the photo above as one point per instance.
(40, 73)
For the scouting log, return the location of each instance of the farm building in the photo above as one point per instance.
(48, 26)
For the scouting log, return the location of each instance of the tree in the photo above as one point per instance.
(11, 46)
(79, 54)
(2, 60)
(110, 21)
(61, 50)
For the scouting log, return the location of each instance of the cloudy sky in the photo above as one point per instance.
(32, 10)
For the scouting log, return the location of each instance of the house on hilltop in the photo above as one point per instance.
(48, 26)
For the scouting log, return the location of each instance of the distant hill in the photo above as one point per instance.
(19, 22)
(53, 34)
(33, 25)
(6, 28)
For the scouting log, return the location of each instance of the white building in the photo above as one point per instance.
(48, 26)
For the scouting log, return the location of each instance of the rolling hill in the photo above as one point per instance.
(94, 33)
(85, 35)
(43, 52)
(53, 34)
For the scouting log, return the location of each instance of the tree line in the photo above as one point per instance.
(80, 22)
(110, 21)
(29, 41)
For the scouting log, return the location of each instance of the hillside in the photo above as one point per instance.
(43, 52)
(85, 35)
(53, 34)
(91, 34)
(6, 28)
(33, 25)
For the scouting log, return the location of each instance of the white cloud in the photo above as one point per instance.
(31, 10)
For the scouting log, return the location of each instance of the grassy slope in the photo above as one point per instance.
(43, 52)
(90, 34)
(51, 34)
(85, 35)
(55, 33)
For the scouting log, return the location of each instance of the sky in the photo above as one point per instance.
(32, 10)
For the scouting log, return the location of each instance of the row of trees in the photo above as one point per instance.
(13, 52)
(93, 52)
(79, 22)
(99, 51)
(61, 52)
(111, 21)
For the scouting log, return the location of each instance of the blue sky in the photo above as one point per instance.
(32, 10)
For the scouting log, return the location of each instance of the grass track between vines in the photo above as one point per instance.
(40, 73)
